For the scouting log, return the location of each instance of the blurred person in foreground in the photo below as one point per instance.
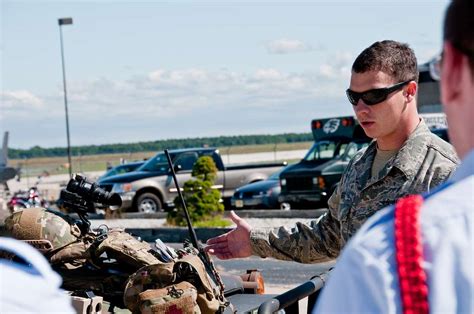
(379, 272)
(404, 158)
(27, 283)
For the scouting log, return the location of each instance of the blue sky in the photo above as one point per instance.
(150, 70)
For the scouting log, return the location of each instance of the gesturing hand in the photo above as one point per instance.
(233, 244)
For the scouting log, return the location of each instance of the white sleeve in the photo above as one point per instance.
(364, 279)
(30, 289)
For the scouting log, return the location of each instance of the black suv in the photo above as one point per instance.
(310, 182)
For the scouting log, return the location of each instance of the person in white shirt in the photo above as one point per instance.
(32, 286)
(366, 278)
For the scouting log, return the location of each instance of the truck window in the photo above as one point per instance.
(186, 161)
(159, 163)
(352, 148)
(215, 157)
(342, 149)
(321, 150)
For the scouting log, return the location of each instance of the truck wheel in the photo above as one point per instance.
(149, 203)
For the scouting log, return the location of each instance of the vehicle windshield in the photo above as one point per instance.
(113, 172)
(119, 170)
(159, 163)
(276, 175)
(324, 150)
(352, 148)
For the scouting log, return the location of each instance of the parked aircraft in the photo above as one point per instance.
(6, 172)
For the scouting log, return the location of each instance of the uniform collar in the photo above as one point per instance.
(407, 159)
(411, 154)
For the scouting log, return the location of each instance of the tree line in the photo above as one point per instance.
(220, 141)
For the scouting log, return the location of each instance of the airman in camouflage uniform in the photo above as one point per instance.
(405, 158)
(423, 162)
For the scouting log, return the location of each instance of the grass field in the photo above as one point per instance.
(59, 165)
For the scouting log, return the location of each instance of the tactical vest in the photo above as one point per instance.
(152, 285)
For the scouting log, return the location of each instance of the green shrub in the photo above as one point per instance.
(202, 201)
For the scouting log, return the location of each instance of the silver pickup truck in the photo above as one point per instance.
(150, 188)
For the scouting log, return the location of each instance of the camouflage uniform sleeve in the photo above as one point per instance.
(335, 198)
(445, 168)
(316, 242)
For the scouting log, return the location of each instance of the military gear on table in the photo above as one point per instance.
(61, 241)
(87, 305)
(98, 261)
(42, 228)
(210, 297)
(127, 249)
(423, 162)
(179, 298)
(117, 266)
(190, 269)
(148, 277)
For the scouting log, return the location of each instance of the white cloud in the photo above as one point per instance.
(337, 67)
(171, 93)
(20, 99)
(178, 77)
(268, 74)
(285, 46)
(181, 103)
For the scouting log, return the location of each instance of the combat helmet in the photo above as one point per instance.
(46, 230)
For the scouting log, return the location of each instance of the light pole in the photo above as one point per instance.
(65, 21)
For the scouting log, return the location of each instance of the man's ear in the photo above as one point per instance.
(412, 87)
(451, 73)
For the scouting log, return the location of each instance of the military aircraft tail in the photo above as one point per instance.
(6, 172)
(4, 151)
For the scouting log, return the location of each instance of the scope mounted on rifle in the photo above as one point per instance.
(80, 196)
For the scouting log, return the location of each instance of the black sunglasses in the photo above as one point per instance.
(373, 96)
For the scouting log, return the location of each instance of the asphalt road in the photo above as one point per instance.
(275, 272)
(279, 276)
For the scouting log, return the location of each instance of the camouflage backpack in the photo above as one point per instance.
(155, 281)
(179, 298)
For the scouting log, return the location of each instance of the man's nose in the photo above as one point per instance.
(361, 107)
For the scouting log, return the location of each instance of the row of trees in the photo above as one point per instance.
(220, 141)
